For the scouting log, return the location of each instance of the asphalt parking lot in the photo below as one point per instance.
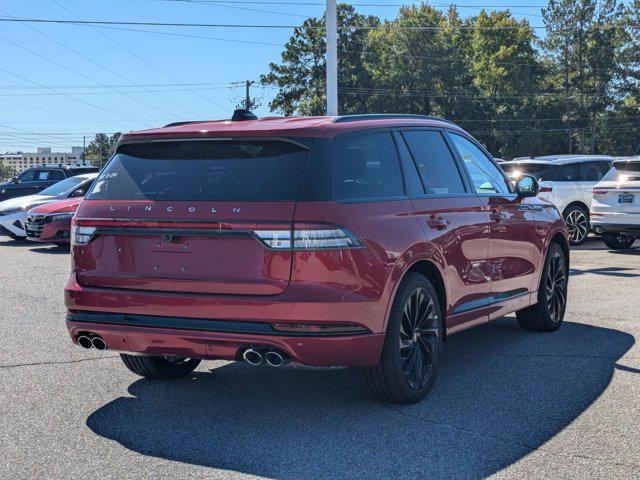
(508, 403)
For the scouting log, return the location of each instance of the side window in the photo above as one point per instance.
(589, 172)
(412, 181)
(366, 166)
(604, 167)
(567, 173)
(485, 175)
(56, 175)
(435, 163)
(27, 176)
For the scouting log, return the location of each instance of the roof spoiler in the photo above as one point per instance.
(628, 164)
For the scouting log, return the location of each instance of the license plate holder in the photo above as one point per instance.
(626, 198)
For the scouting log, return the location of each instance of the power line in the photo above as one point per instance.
(173, 34)
(322, 4)
(119, 92)
(138, 85)
(149, 64)
(53, 90)
(437, 4)
(99, 65)
(273, 26)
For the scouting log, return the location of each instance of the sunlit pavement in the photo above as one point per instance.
(508, 403)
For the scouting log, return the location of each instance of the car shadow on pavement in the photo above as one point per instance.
(502, 393)
(52, 249)
(607, 271)
(8, 242)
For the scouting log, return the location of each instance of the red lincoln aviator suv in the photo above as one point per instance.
(356, 241)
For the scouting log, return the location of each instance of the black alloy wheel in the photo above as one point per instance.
(419, 335)
(411, 353)
(556, 286)
(618, 241)
(548, 313)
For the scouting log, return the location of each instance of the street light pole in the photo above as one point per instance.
(332, 58)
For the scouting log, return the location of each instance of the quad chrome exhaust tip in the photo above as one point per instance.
(85, 342)
(98, 343)
(252, 357)
(275, 358)
(89, 340)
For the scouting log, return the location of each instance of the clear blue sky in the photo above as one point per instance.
(106, 79)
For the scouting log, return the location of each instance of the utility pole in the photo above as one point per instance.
(248, 103)
(332, 58)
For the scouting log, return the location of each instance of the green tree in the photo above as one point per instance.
(584, 41)
(6, 172)
(300, 77)
(100, 149)
(419, 64)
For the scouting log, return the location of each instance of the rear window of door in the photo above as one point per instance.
(366, 166)
(217, 170)
(56, 175)
(486, 176)
(568, 173)
(435, 164)
(43, 175)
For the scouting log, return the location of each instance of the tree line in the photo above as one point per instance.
(573, 89)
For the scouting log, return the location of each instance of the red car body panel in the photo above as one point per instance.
(58, 231)
(489, 257)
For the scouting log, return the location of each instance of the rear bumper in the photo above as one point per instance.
(211, 344)
(615, 223)
(222, 327)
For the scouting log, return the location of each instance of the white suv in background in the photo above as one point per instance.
(567, 182)
(615, 211)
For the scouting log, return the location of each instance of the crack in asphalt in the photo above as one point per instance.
(631, 466)
(36, 364)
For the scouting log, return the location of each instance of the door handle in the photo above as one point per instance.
(437, 222)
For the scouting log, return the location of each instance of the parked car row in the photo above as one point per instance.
(572, 183)
(45, 216)
(36, 179)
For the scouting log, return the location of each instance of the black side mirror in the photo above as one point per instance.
(14, 180)
(77, 193)
(527, 186)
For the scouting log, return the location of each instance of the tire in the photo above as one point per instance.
(547, 315)
(159, 368)
(413, 343)
(577, 220)
(618, 242)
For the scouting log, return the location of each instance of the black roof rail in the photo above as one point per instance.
(177, 124)
(384, 116)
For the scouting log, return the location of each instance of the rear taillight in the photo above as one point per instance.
(81, 235)
(599, 191)
(307, 237)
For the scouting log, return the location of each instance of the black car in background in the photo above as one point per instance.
(32, 180)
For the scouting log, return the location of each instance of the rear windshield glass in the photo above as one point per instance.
(615, 175)
(63, 187)
(218, 170)
(541, 171)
